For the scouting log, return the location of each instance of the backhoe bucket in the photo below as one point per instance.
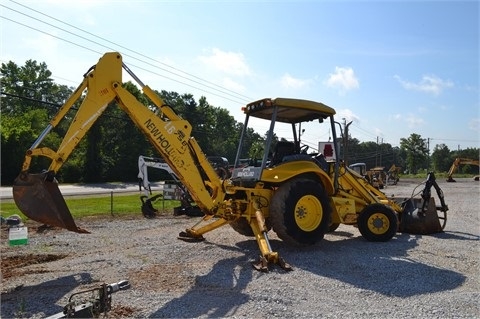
(38, 197)
(422, 218)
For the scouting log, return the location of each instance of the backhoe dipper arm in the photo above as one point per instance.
(45, 151)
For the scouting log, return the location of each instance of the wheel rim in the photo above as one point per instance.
(378, 223)
(308, 213)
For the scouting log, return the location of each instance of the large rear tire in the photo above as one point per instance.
(242, 226)
(300, 211)
(378, 222)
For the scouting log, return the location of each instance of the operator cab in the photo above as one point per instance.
(280, 113)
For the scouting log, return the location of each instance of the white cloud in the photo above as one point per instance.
(378, 132)
(428, 84)
(230, 84)
(343, 79)
(410, 119)
(228, 62)
(474, 124)
(44, 44)
(289, 81)
(414, 121)
(348, 115)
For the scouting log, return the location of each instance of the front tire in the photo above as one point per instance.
(378, 222)
(300, 211)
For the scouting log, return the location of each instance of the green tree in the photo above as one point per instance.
(29, 100)
(441, 158)
(470, 152)
(111, 147)
(30, 86)
(17, 135)
(119, 144)
(416, 151)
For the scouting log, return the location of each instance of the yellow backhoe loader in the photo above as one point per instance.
(297, 194)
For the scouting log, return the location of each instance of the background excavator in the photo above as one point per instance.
(187, 206)
(297, 194)
(461, 161)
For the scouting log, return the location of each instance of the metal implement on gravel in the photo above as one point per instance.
(98, 301)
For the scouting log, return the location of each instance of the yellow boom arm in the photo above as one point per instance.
(168, 132)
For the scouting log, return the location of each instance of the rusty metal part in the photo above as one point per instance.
(421, 215)
(284, 265)
(415, 220)
(189, 237)
(39, 198)
(261, 264)
(98, 301)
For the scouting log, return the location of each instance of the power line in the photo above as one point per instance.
(218, 88)
(100, 53)
(123, 47)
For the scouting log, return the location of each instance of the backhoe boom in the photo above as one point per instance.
(167, 132)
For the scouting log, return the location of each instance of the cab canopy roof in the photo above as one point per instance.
(289, 110)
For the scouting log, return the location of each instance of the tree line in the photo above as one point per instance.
(109, 151)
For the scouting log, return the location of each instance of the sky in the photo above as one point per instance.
(391, 68)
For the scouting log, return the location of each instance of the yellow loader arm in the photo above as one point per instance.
(38, 196)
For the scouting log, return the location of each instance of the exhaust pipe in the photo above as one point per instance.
(39, 198)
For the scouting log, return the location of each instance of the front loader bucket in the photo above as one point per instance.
(38, 197)
(417, 218)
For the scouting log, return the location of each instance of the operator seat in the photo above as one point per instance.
(282, 149)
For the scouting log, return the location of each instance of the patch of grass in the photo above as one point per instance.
(98, 205)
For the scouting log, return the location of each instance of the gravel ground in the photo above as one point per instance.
(343, 276)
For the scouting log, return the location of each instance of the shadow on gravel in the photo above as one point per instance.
(220, 300)
(222, 288)
(20, 301)
(379, 267)
(457, 235)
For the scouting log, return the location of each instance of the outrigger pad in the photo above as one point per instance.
(414, 221)
(39, 198)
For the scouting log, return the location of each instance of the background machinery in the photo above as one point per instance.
(393, 175)
(187, 207)
(297, 194)
(461, 161)
(375, 176)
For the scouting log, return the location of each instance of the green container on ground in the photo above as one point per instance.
(18, 236)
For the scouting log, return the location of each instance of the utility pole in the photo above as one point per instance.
(345, 140)
(428, 154)
(381, 143)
